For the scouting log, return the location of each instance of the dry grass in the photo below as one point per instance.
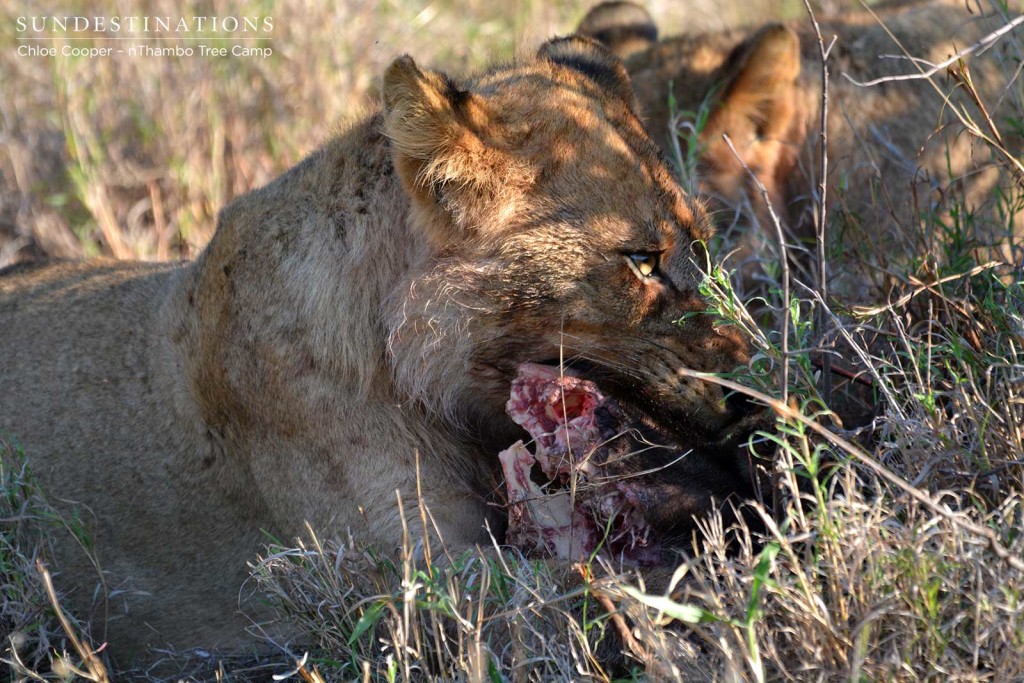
(133, 157)
(861, 576)
(36, 634)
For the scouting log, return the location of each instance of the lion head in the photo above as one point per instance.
(555, 233)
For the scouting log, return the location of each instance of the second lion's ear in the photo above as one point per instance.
(624, 27)
(592, 60)
(758, 110)
(759, 97)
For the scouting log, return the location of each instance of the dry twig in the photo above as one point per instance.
(865, 459)
(1011, 160)
(95, 671)
(935, 68)
(822, 270)
(784, 311)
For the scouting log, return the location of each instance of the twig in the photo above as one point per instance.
(303, 673)
(821, 317)
(784, 311)
(864, 357)
(95, 669)
(1011, 160)
(784, 257)
(935, 68)
(921, 287)
(852, 376)
(862, 457)
(621, 626)
(962, 75)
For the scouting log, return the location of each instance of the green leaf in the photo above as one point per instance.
(368, 620)
(688, 614)
(492, 671)
(764, 567)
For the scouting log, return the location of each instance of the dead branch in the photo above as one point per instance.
(784, 310)
(820, 316)
(935, 68)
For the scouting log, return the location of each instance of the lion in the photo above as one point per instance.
(894, 148)
(349, 336)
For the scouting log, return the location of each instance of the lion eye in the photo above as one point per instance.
(644, 263)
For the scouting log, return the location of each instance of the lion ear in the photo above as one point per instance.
(426, 118)
(592, 60)
(624, 27)
(758, 104)
(440, 152)
(422, 122)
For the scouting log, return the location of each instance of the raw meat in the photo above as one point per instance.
(568, 498)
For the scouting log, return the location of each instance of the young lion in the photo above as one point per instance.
(358, 318)
(886, 143)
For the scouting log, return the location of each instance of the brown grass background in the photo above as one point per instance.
(132, 157)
